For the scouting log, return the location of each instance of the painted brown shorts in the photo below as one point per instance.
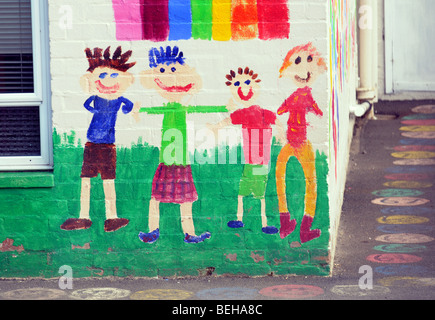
(99, 158)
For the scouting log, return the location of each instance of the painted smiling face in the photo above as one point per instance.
(244, 85)
(173, 81)
(107, 83)
(303, 65)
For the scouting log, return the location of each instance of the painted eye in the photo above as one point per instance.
(103, 75)
(173, 69)
(298, 60)
(114, 75)
(310, 58)
(162, 70)
(248, 82)
(237, 83)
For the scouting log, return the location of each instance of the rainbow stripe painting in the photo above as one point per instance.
(220, 20)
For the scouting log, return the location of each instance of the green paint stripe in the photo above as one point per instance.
(201, 19)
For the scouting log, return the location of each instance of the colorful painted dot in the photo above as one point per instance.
(397, 193)
(419, 135)
(355, 290)
(402, 219)
(401, 228)
(404, 238)
(417, 128)
(161, 294)
(400, 248)
(292, 291)
(408, 184)
(421, 142)
(410, 169)
(393, 258)
(419, 122)
(414, 155)
(100, 294)
(34, 294)
(400, 201)
(401, 270)
(408, 210)
(415, 162)
(407, 176)
(406, 281)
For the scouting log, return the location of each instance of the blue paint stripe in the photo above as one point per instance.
(180, 19)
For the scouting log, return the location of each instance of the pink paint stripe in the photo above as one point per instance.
(426, 122)
(128, 18)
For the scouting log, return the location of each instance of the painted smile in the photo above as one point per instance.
(107, 90)
(303, 80)
(243, 96)
(174, 88)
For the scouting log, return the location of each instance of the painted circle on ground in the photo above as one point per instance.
(402, 219)
(400, 201)
(419, 135)
(231, 293)
(407, 176)
(415, 162)
(400, 248)
(407, 184)
(413, 155)
(292, 291)
(355, 290)
(417, 128)
(408, 210)
(34, 294)
(420, 142)
(425, 109)
(410, 169)
(419, 116)
(397, 193)
(100, 294)
(404, 238)
(161, 294)
(419, 122)
(401, 270)
(401, 228)
(393, 258)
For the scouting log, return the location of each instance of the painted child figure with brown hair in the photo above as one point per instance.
(106, 80)
(256, 125)
(302, 65)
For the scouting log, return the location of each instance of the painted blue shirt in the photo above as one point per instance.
(102, 127)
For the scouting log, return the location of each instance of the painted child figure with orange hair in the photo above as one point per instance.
(302, 65)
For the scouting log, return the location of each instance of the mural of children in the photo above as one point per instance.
(257, 137)
(302, 64)
(173, 182)
(107, 79)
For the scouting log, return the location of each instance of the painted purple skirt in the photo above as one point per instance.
(174, 184)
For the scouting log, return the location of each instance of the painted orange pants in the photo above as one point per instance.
(305, 156)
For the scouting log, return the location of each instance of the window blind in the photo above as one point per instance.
(16, 57)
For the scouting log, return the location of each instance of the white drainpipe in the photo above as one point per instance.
(368, 56)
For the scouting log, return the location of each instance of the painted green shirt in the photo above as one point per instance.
(174, 129)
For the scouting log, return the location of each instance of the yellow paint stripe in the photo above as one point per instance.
(221, 13)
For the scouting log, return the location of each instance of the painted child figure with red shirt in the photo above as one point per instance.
(257, 137)
(302, 65)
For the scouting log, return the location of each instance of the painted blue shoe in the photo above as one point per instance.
(235, 224)
(269, 230)
(149, 237)
(196, 239)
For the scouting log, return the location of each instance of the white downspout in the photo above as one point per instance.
(368, 57)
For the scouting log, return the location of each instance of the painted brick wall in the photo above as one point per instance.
(223, 248)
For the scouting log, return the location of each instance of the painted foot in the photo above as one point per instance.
(270, 230)
(111, 225)
(196, 239)
(76, 224)
(235, 224)
(149, 237)
(306, 233)
(287, 224)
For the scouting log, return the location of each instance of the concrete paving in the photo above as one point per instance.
(385, 249)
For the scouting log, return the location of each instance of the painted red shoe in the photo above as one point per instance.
(76, 224)
(287, 224)
(111, 225)
(306, 233)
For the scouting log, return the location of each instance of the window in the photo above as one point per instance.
(25, 126)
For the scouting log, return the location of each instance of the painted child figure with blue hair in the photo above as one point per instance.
(173, 79)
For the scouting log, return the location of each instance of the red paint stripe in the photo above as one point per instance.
(273, 19)
(415, 148)
(155, 20)
(426, 122)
